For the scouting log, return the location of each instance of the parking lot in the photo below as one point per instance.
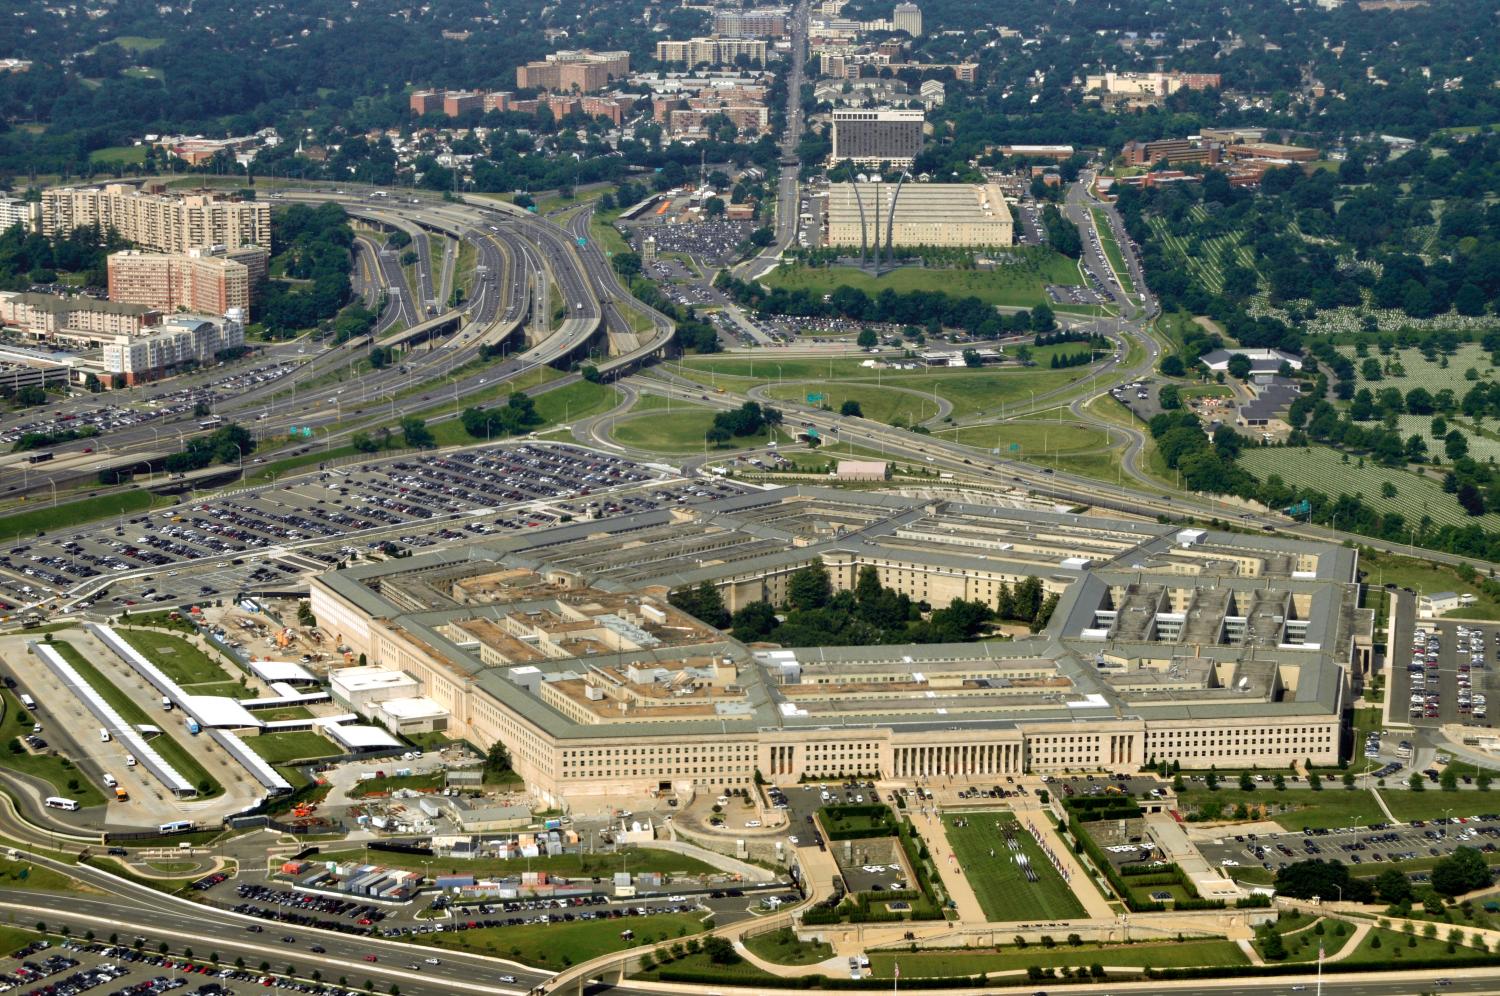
(1375, 845)
(714, 242)
(78, 967)
(261, 537)
(1440, 671)
(163, 406)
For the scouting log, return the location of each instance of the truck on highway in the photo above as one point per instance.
(193, 727)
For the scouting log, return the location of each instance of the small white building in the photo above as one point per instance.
(1439, 602)
(361, 688)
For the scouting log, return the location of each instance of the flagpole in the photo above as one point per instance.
(1320, 969)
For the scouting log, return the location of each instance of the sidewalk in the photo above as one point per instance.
(931, 827)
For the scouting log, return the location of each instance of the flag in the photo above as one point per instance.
(898, 970)
(1320, 952)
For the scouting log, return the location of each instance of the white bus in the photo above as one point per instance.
(58, 802)
(176, 826)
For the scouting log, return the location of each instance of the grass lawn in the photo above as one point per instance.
(1204, 391)
(178, 659)
(634, 859)
(73, 513)
(1050, 443)
(1425, 576)
(288, 712)
(389, 783)
(1292, 808)
(56, 771)
(14, 939)
(279, 748)
(882, 404)
(1430, 803)
(556, 945)
(125, 155)
(934, 964)
(1300, 936)
(1394, 946)
(679, 432)
(577, 400)
(742, 973)
(1021, 284)
(24, 875)
(782, 947)
(972, 392)
(137, 43)
(167, 745)
(998, 882)
(839, 819)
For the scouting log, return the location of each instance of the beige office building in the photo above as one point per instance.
(1180, 645)
(201, 280)
(926, 214)
(156, 220)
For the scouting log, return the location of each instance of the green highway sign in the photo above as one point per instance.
(1015, 447)
(813, 399)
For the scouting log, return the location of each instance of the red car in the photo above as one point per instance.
(371, 958)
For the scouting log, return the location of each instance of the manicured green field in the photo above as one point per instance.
(1425, 576)
(1333, 806)
(137, 43)
(783, 948)
(178, 659)
(1021, 284)
(53, 770)
(279, 748)
(882, 404)
(556, 945)
(1394, 947)
(971, 392)
(173, 751)
(966, 963)
(73, 513)
(125, 155)
(679, 432)
(998, 881)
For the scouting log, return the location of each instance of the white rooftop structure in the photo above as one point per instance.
(269, 671)
(219, 711)
(357, 738)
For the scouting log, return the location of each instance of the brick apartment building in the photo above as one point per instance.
(581, 71)
(202, 280)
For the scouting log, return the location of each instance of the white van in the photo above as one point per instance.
(109, 780)
(129, 760)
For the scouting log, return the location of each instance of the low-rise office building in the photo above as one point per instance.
(1180, 645)
(178, 340)
(76, 322)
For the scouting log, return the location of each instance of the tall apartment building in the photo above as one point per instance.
(14, 211)
(200, 280)
(766, 22)
(178, 340)
(581, 71)
(870, 138)
(713, 51)
(907, 17)
(153, 219)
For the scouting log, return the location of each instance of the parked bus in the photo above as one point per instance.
(58, 802)
(176, 826)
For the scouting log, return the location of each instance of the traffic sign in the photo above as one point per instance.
(1015, 447)
(582, 241)
(1301, 508)
(813, 399)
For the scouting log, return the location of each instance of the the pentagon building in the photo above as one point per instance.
(1199, 646)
